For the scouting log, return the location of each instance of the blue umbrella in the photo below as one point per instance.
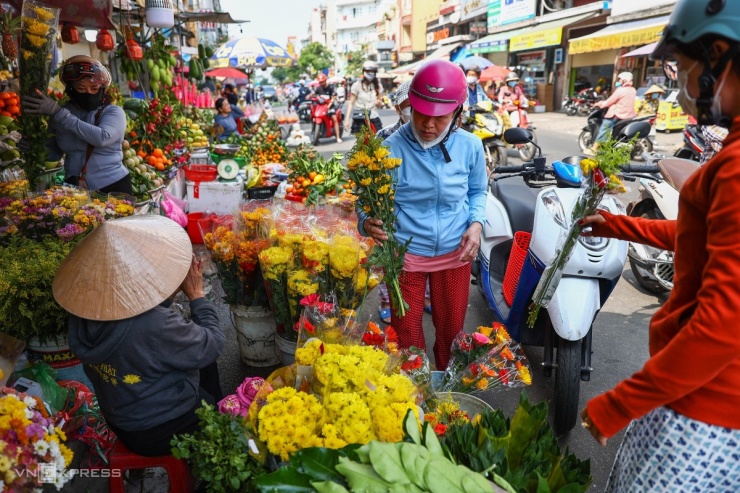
(481, 62)
(249, 52)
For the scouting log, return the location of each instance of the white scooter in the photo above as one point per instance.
(652, 267)
(528, 209)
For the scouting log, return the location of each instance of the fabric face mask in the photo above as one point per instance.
(471, 79)
(406, 114)
(511, 84)
(86, 101)
(618, 84)
(688, 104)
(369, 75)
(429, 144)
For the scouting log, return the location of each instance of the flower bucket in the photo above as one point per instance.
(286, 350)
(255, 332)
(58, 355)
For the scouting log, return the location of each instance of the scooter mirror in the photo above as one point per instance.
(518, 135)
(638, 129)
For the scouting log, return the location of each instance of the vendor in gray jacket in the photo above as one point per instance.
(88, 130)
(149, 366)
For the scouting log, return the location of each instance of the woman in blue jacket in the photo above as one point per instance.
(440, 200)
(226, 117)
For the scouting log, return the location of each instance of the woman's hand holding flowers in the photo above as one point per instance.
(40, 104)
(374, 229)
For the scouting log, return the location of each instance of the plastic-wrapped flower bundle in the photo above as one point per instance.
(466, 348)
(300, 285)
(503, 366)
(344, 262)
(275, 262)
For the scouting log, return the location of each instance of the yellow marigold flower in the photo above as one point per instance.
(26, 54)
(366, 181)
(37, 41)
(381, 152)
(43, 13)
(485, 330)
(375, 165)
(588, 165)
(35, 27)
(391, 162)
(525, 376)
(384, 189)
(481, 384)
(616, 185)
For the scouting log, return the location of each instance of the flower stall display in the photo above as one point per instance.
(235, 243)
(351, 400)
(33, 449)
(39, 32)
(36, 234)
(599, 177)
(371, 169)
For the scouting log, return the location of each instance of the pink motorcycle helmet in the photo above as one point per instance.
(438, 88)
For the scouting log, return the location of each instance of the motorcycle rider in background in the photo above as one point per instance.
(324, 89)
(621, 106)
(476, 94)
(510, 92)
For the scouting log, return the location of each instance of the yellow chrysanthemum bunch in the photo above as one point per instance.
(288, 422)
(274, 262)
(35, 27)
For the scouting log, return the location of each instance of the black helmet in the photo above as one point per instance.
(84, 67)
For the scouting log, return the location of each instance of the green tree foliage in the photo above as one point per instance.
(286, 74)
(355, 59)
(315, 57)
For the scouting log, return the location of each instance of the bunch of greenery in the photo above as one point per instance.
(27, 305)
(520, 456)
(220, 452)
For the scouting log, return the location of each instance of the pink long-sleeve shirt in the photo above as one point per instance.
(621, 103)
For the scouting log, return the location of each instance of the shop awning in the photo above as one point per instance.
(440, 53)
(217, 17)
(545, 34)
(642, 50)
(620, 35)
(495, 42)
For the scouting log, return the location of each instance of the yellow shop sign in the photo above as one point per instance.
(537, 39)
(618, 40)
(670, 117)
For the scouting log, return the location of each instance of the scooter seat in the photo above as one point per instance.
(519, 200)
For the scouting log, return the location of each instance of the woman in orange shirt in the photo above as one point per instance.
(684, 405)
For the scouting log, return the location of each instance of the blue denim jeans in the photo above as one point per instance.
(606, 125)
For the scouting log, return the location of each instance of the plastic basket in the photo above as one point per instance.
(196, 237)
(200, 172)
(519, 249)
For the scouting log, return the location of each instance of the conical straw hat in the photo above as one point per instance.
(124, 268)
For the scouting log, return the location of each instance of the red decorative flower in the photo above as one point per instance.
(390, 334)
(440, 429)
(412, 363)
(372, 339)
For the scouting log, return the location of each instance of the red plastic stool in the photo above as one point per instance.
(122, 459)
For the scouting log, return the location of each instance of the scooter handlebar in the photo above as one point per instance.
(509, 169)
(640, 168)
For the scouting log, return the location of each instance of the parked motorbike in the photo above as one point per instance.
(485, 123)
(591, 130)
(520, 118)
(323, 124)
(534, 202)
(581, 103)
(693, 144)
(659, 190)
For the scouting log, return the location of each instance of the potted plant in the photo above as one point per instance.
(222, 452)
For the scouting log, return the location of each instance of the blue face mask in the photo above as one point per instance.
(618, 84)
(655, 96)
(512, 83)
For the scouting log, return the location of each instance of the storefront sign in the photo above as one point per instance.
(670, 117)
(516, 11)
(440, 34)
(478, 28)
(533, 58)
(559, 53)
(613, 41)
(489, 47)
(472, 8)
(536, 39)
(494, 13)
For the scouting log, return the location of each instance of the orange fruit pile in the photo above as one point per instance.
(10, 104)
(157, 159)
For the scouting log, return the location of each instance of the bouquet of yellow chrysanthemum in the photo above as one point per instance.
(599, 177)
(344, 264)
(39, 33)
(275, 263)
(371, 169)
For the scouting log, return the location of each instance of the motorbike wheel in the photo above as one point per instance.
(641, 146)
(645, 277)
(498, 157)
(317, 131)
(584, 109)
(571, 110)
(528, 151)
(585, 140)
(567, 386)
